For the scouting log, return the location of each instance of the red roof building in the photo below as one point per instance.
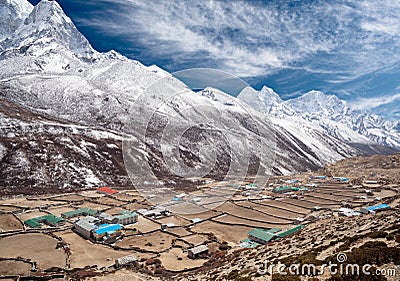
(106, 190)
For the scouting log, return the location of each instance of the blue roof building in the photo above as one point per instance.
(107, 230)
(378, 207)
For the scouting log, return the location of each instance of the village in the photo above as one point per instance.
(107, 228)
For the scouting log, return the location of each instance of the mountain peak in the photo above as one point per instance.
(47, 27)
(47, 11)
(316, 102)
(12, 14)
(269, 95)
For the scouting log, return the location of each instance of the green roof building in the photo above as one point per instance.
(32, 223)
(127, 217)
(282, 189)
(79, 212)
(288, 232)
(262, 236)
(47, 219)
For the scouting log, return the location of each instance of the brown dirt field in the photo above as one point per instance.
(145, 225)
(37, 247)
(330, 197)
(23, 202)
(109, 201)
(91, 194)
(283, 204)
(91, 205)
(134, 193)
(270, 210)
(242, 212)
(204, 215)
(86, 253)
(187, 207)
(136, 206)
(180, 231)
(30, 215)
(8, 209)
(300, 203)
(8, 223)
(344, 193)
(13, 267)
(59, 210)
(122, 275)
(178, 221)
(384, 193)
(71, 197)
(157, 241)
(183, 244)
(195, 239)
(170, 260)
(323, 201)
(245, 222)
(115, 210)
(230, 233)
(126, 196)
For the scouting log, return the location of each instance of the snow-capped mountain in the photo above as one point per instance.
(12, 14)
(325, 113)
(50, 70)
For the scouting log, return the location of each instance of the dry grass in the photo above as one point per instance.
(195, 239)
(245, 222)
(69, 197)
(270, 210)
(57, 211)
(250, 214)
(157, 241)
(8, 209)
(178, 221)
(230, 233)
(170, 260)
(30, 215)
(145, 225)
(109, 201)
(37, 247)
(92, 205)
(23, 202)
(8, 223)
(86, 253)
(284, 204)
(180, 231)
(136, 206)
(203, 215)
(13, 267)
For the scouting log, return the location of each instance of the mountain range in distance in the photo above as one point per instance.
(66, 111)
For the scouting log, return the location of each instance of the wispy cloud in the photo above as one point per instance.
(250, 38)
(371, 103)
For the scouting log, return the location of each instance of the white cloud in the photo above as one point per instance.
(250, 39)
(371, 103)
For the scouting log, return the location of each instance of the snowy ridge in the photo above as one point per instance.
(327, 114)
(50, 69)
(12, 14)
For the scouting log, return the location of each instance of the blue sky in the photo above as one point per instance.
(348, 48)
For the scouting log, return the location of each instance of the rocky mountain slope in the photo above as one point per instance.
(329, 115)
(170, 133)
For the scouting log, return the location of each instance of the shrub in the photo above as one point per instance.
(390, 237)
(377, 234)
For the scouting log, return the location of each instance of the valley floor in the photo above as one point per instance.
(161, 243)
